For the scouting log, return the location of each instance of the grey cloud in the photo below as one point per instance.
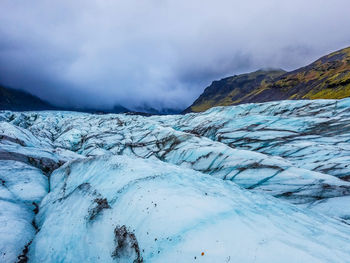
(159, 53)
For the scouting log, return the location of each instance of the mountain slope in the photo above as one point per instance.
(18, 100)
(229, 91)
(13, 99)
(326, 78)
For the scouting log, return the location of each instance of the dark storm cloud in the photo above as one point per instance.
(160, 53)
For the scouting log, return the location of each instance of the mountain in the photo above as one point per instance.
(18, 100)
(326, 78)
(267, 182)
(231, 90)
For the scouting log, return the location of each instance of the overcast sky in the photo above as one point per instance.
(157, 52)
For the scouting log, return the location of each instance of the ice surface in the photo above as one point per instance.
(175, 214)
(257, 182)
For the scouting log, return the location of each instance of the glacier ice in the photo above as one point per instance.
(256, 182)
(175, 214)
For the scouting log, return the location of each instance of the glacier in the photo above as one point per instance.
(262, 182)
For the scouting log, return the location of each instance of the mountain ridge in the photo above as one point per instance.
(18, 100)
(326, 78)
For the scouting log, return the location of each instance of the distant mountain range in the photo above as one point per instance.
(17, 100)
(326, 78)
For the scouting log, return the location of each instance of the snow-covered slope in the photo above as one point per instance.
(167, 188)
